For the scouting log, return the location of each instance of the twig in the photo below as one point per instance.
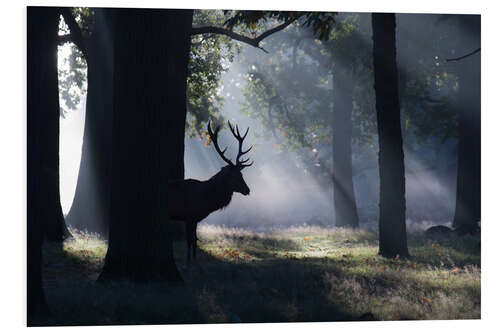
(464, 56)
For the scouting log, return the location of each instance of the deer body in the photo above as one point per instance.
(193, 200)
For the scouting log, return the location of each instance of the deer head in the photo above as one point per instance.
(231, 173)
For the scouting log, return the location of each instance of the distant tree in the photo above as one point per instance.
(151, 60)
(392, 218)
(468, 69)
(42, 106)
(346, 214)
(94, 39)
(347, 50)
(291, 95)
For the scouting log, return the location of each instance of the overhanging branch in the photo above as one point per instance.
(233, 35)
(64, 39)
(75, 31)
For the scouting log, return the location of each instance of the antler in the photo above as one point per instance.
(240, 164)
(213, 137)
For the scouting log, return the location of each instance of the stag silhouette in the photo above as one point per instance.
(193, 200)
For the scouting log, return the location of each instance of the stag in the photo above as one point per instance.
(193, 200)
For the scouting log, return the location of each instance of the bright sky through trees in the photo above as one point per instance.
(70, 139)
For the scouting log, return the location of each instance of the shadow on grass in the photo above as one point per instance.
(448, 250)
(215, 291)
(281, 290)
(75, 298)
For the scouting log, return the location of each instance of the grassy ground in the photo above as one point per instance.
(295, 274)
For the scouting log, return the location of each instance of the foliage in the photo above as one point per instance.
(209, 59)
(210, 55)
(291, 92)
(320, 22)
(430, 89)
(72, 66)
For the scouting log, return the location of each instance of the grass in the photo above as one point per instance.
(294, 274)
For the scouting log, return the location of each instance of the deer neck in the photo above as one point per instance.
(220, 194)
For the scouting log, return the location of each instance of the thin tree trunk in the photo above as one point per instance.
(151, 58)
(392, 223)
(90, 208)
(468, 199)
(43, 104)
(346, 214)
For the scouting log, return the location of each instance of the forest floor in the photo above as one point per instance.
(294, 274)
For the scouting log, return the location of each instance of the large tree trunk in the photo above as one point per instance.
(43, 108)
(468, 200)
(151, 58)
(50, 211)
(346, 214)
(392, 223)
(90, 208)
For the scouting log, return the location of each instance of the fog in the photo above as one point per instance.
(281, 193)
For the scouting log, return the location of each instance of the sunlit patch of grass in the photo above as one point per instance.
(295, 242)
(440, 281)
(77, 259)
(88, 247)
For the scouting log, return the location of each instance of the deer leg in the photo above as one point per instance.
(188, 240)
(195, 240)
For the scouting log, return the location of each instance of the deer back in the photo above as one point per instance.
(193, 200)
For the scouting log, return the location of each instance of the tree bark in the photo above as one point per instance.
(42, 108)
(392, 222)
(468, 199)
(151, 58)
(50, 210)
(90, 208)
(346, 214)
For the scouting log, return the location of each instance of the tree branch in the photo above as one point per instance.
(75, 31)
(231, 34)
(275, 29)
(64, 39)
(464, 56)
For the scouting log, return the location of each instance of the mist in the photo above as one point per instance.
(279, 186)
(284, 193)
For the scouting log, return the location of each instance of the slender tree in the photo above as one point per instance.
(90, 208)
(346, 214)
(468, 69)
(42, 106)
(343, 52)
(151, 57)
(347, 51)
(392, 219)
